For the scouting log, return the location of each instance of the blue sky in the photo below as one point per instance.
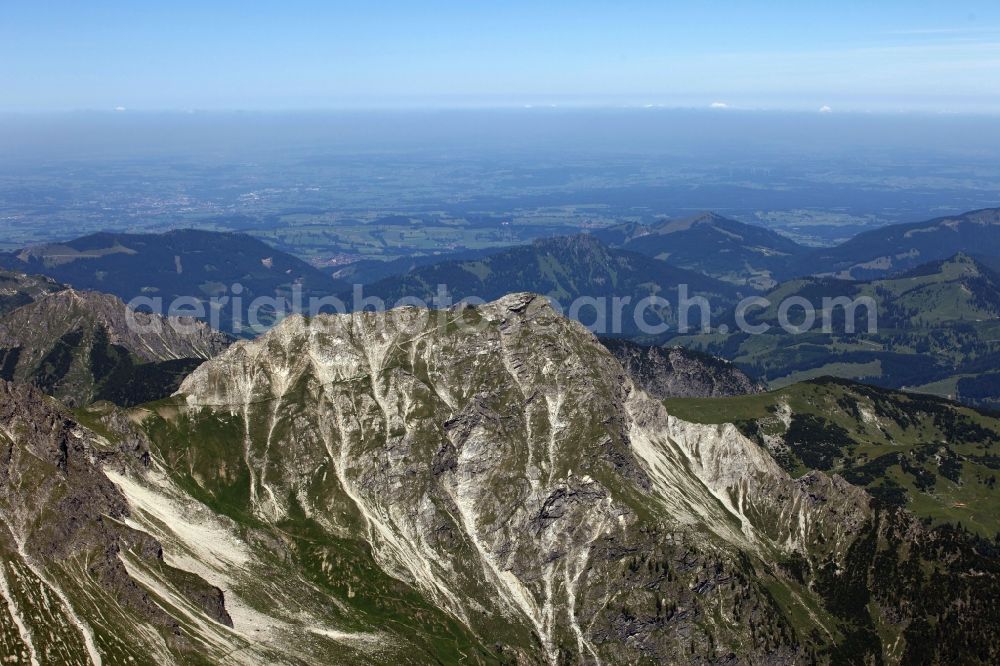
(889, 55)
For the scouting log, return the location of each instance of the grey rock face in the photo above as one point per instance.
(17, 289)
(518, 478)
(675, 372)
(150, 337)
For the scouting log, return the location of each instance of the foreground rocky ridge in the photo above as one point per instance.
(511, 474)
(68, 591)
(488, 485)
(482, 473)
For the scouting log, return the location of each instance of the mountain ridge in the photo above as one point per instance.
(898, 247)
(563, 268)
(736, 252)
(82, 346)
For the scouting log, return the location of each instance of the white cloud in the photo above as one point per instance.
(825, 109)
(119, 109)
(718, 105)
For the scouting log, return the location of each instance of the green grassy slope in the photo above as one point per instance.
(939, 459)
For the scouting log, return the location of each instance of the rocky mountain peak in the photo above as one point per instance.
(515, 439)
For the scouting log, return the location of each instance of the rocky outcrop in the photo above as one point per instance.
(17, 289)
(675, 372)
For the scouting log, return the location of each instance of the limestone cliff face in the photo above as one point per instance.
(516, 476)
(68, 595)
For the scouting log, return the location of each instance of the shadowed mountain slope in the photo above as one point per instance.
(676, 372)
(86, 346)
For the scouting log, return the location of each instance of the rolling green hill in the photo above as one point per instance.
(938, 330)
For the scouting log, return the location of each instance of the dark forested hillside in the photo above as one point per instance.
(189, 264)
(739, 253)
(564, 269)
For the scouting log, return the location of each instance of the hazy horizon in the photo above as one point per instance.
(708, 132)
